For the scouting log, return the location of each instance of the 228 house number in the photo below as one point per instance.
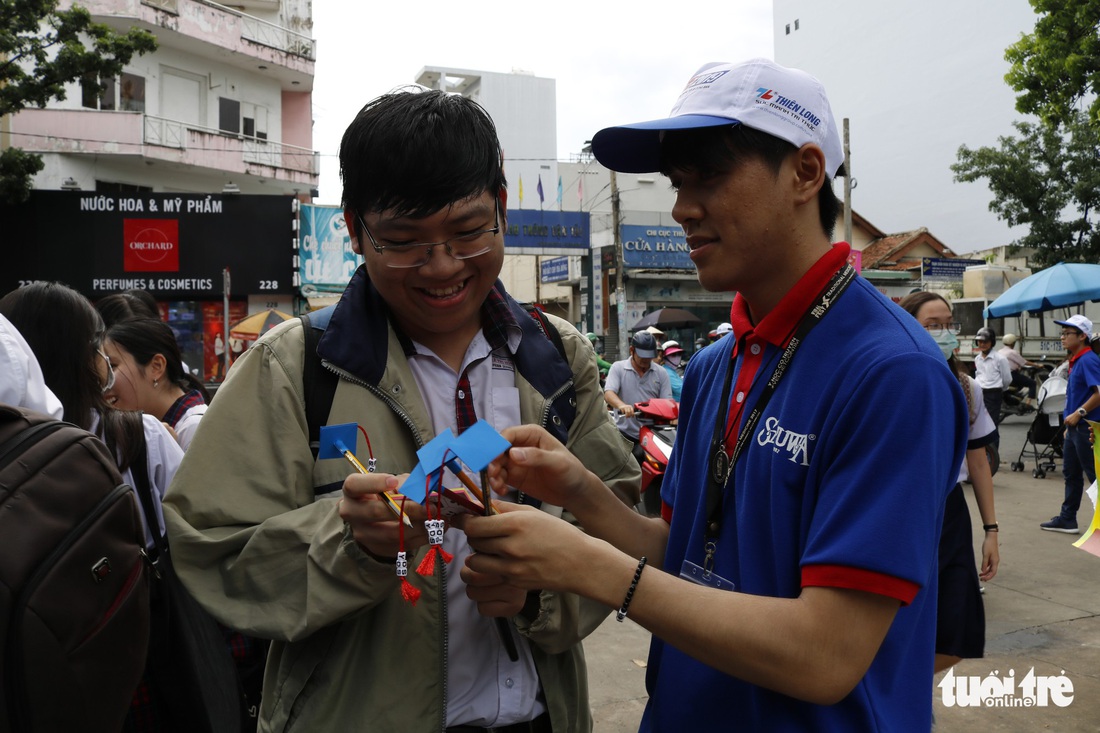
(269, 285)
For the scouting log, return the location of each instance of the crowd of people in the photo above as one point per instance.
(764, 581)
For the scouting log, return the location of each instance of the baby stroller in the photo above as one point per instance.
(1046, 432)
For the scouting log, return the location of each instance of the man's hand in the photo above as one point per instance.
(493, 594)
(372, 522)
(539, 465)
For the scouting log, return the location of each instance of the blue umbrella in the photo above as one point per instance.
(1061, 286)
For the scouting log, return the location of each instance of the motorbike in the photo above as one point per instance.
(655, 439)
(1014, 400)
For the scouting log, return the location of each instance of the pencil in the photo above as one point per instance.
(469, 484)
(390, 502)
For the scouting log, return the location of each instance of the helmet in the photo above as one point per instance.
(671, 347)
(723, 329)
(592, 337)
(645, 346)
(986, 334)
(1010, 339)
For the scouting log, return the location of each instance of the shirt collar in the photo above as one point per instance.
(778, 326)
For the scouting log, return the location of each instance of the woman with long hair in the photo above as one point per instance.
(960, 626)
(149, 376)
(66, 335)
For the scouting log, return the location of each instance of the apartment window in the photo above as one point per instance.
(242, 118)
(125, 93)
(229, 115)
(120, 188)
(788, 29)
(796, 23)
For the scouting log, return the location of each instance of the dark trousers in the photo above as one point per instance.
(1077, 464)
(1022, 380)
(992, 398)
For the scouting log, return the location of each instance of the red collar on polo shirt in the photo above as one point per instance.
(1074, 357)
(776, 328)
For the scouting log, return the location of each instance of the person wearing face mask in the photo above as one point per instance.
(960, 627)
(670, 356)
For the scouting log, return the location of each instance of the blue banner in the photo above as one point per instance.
(650, 247)
(946, 268)
(547, 232)
(325, 256)
(555, 270)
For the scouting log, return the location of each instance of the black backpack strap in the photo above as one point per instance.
(318, 383)
(547, 328)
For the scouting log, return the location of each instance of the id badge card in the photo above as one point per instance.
(700, 576)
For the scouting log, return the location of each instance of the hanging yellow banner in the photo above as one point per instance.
(1091, 541)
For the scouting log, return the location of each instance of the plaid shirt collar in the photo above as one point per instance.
(192, 399)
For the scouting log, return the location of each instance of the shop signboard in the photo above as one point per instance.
(173, 245)
(325, 254)
(537, 232)
(655, 247)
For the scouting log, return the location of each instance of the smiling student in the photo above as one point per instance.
(424, 339)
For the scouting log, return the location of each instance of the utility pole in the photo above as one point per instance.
(620, 289)
(847, 186)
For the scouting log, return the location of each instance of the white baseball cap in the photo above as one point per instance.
(1079, 322)
(759, 93)
(723, 328)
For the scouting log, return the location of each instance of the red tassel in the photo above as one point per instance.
(410, 593)
(427, 565)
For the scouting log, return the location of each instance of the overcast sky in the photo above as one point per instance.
(613, 63)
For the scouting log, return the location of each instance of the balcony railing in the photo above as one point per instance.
(176, 134)
(254, 29)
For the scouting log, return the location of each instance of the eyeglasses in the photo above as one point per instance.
(417, 254)
(937, 329)
(1066, 334)
(110, 372)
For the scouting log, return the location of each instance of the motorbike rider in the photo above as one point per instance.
(1015, 362)
(670, 357)
(635, 380)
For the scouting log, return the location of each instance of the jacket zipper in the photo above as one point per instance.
(374, 390)
(443, 640)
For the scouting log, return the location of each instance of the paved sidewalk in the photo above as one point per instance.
(1042, 614)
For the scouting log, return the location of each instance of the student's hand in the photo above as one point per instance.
(373, 524)
(493, 594)
(991, 557)
(527, 548)
(539, 465)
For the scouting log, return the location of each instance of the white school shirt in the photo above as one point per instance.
(484, 687)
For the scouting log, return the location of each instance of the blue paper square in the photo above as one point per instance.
(431, 453)
(335, 439)
(413, 488)
(479, 444)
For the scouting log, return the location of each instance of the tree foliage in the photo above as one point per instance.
(1059, 63)
(1047, 179)
(42, 49)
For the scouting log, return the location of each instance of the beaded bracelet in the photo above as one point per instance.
(621, 613)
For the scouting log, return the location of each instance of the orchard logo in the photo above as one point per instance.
(151, 245)
(992, 691)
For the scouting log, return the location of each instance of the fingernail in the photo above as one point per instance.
(519, 455)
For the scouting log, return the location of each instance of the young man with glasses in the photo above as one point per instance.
(425, 339)
(1082, 405)
(816, 445)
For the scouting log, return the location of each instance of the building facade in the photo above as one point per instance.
(224, 102)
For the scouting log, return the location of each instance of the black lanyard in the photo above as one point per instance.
(721, 463)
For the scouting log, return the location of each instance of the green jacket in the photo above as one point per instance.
(266, 556)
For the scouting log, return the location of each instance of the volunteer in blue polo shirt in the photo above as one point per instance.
(790, 583)
(1082, 405)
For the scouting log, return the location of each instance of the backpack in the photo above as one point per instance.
(74, 593)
